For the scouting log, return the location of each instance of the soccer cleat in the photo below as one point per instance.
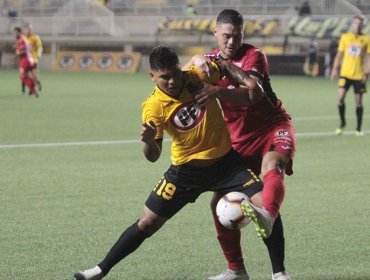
(230, 274)
(339, 131)
(359, 133)
(94, 273)
(260, 217)
(280, 276)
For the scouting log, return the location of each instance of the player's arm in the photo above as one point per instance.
(39, 48)
(249, 91)
(337, 62)
(201, 62)
(20, 51)
(367, 69)
(152, 147)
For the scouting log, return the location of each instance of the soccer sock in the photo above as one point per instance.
(230, 244)
(342, 110)
(273, 191)
(128, 242)
(30, 83)
(359, 113)
(275, 244)
(23, 87)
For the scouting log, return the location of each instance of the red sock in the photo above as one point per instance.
(230, 244)
(273, 191)
(30, 83)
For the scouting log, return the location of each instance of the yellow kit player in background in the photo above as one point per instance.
(353, 58)
(36, 52)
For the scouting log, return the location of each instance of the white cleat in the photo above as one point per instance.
(280, 276)
(94, 273)
(230, 274)
(262, 219)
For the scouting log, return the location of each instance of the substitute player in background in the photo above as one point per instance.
(201, 153)
(25, 64)
(353, 58)
(261, 132)
(36, 52)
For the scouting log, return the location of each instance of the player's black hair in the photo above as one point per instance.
(163, 57)
(230, 16)
(18, 29)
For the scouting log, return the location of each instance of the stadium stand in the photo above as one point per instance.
(203, 7)
(140, 24)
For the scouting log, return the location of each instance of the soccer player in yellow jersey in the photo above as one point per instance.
(36, 52)
(353, 58)
(201, 154)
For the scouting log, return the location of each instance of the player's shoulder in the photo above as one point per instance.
(247, 51)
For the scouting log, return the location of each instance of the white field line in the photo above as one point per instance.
(124, 142)
(322, 118)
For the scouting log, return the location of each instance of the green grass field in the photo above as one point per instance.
(73, 177)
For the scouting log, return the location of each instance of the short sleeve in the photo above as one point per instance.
(152, 111)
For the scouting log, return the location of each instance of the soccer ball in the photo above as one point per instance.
(229, 210)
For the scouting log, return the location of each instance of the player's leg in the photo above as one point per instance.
(360, 89)
(168, 197)
(278, 151)
(229, 240)
(27, 76)
(272, 172)
(128, 242)
(359, 114)
(23, 87)
(342, 91)
(36, 73)
(30, 83)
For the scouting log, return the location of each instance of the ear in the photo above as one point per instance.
(151, 76)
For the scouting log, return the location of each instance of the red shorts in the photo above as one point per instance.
(281, 138)
(25, 65)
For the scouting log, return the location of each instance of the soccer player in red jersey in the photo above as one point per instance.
(26, 64)
(261, 131)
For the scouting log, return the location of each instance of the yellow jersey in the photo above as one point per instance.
(197, 133)
(35, 45)
(354, 48)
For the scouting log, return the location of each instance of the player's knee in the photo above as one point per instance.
(150, 224)
(278, 162)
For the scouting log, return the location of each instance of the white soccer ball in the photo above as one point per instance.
(229, 210)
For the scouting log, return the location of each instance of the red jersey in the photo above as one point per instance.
(247, 122)
(22, 46)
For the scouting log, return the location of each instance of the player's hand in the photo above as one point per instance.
(366, 77)
(204, 95)
(333, 75)
(203, 63)
(148, 132)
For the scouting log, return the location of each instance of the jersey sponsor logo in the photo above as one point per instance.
(354, 50)
(187, 116)
(286, 147)
(282, 133)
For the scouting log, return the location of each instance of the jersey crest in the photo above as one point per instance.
(187, 116)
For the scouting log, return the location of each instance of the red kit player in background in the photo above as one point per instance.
(262, 132)
(26, 64)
